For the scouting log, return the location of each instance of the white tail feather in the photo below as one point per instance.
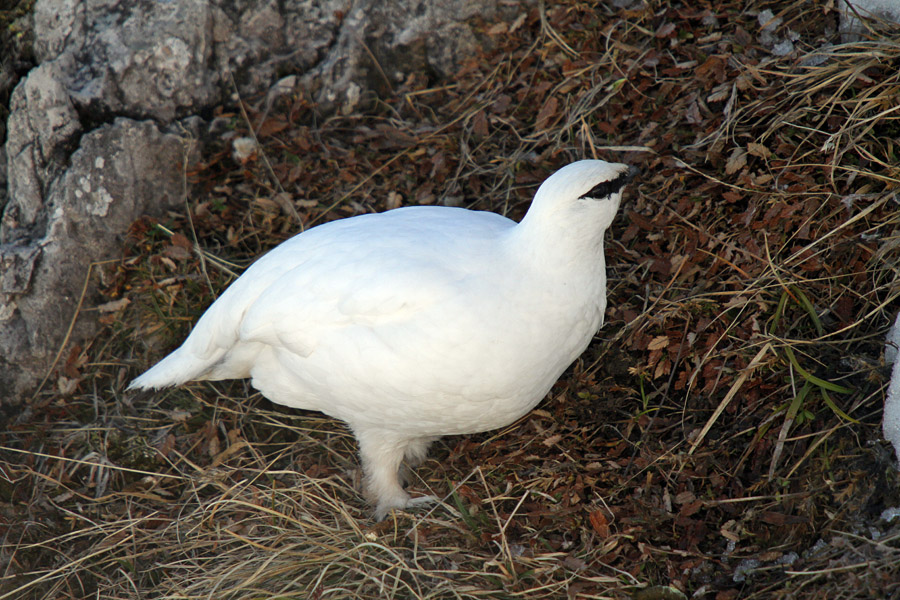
(175, 369)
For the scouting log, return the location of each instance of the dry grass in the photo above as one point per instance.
(721, 437)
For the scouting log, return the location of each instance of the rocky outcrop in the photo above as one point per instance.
(74, 222)
(94, 134)
(878, 12)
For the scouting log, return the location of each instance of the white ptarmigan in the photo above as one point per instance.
(417, 322)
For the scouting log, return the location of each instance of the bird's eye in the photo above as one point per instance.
(607, 188)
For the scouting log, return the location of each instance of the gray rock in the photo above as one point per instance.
(119, 170)
(147, 59)
(165, 60)
(852, 29)
(42, 124)
(381, 41)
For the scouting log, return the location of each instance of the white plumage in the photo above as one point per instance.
(417, 322)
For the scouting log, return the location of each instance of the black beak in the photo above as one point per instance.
(630, 174)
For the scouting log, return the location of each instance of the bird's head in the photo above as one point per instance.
(588, 191)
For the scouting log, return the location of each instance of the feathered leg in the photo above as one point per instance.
(417, 450)
(381, 457)
(415, 455)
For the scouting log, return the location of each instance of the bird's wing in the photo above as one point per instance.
(331, 293)
(370, 269)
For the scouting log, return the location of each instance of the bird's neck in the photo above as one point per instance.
(557, 238)
(567, 259)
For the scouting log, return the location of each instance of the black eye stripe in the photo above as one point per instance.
(602, 190)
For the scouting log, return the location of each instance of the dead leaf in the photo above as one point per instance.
(759, 150)
(574, 563)
(177, 252)
(500, 105)
(518, 22)
(720, 93)
(114, 306)
(552, 440)
(212, 439)
(735, 301)
(685, 497)
(665, 30)
(480, 124)
(692, 114)
(180, 240)
(179, 415)
(736, 162)
(469, 494)
(658, 343)
(730, 531)
(76, 360)
(272, 126)
(713, 69)
(165, 448)
(599, 523)
(690, 508)
(775, 518)
(663, 368)
(546, 113)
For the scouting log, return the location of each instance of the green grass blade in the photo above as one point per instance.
(797, 402)
(834, 408)
(825, 385)
(807, 305)
(779, 311)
